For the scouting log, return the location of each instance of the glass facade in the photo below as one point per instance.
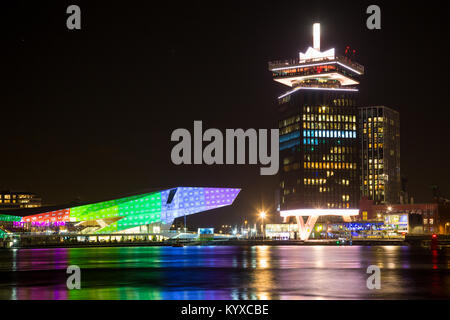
(321, 71)
(134, 211)
(319, 150)
(380, 154)
(319, 142)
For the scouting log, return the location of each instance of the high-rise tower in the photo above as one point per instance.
(318, 135)
(379, 128)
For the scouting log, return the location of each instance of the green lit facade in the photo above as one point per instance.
(130, 212)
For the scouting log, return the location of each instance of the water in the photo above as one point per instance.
(226, 272)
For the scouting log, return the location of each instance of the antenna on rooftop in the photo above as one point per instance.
(316, 36)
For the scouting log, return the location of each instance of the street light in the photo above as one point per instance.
(262, 215)
(246, 227)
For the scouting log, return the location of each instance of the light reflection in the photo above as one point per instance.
(262, 257)
(222, 272)
(391, 248)
(434, 254)
(319, 257)
(263, 278)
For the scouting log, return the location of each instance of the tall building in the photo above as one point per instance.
(17, 200)
(318, 135)
(380, 154)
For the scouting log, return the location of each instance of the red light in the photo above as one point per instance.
(434, 236)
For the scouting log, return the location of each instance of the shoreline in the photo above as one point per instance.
(412, 240)
(240, 243)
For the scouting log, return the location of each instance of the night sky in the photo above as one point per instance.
(88, 114)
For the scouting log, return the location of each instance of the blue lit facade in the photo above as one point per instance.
(319, 150)
(318, 129)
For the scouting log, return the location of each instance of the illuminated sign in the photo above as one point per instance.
(205, 231)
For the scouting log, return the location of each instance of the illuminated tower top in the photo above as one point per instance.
(317, 69)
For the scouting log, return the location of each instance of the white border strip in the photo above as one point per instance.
(319, 212)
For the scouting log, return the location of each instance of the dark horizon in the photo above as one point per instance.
(88, 114)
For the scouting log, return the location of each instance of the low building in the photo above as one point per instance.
(19, 200)
(328, 231)
(149, 213)
(281, 231)
(422, 218)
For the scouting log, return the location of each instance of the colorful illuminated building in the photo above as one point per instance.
(9, 218)
(129, 214)
(380, 154)
(318, 135)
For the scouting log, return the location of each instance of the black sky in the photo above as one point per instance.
(88, 114)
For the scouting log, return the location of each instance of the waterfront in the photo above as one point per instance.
(226, 272)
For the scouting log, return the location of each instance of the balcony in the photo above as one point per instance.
(292, 63)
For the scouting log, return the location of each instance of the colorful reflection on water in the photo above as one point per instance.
(225, 272)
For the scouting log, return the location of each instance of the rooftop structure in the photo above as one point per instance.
(315, 69)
